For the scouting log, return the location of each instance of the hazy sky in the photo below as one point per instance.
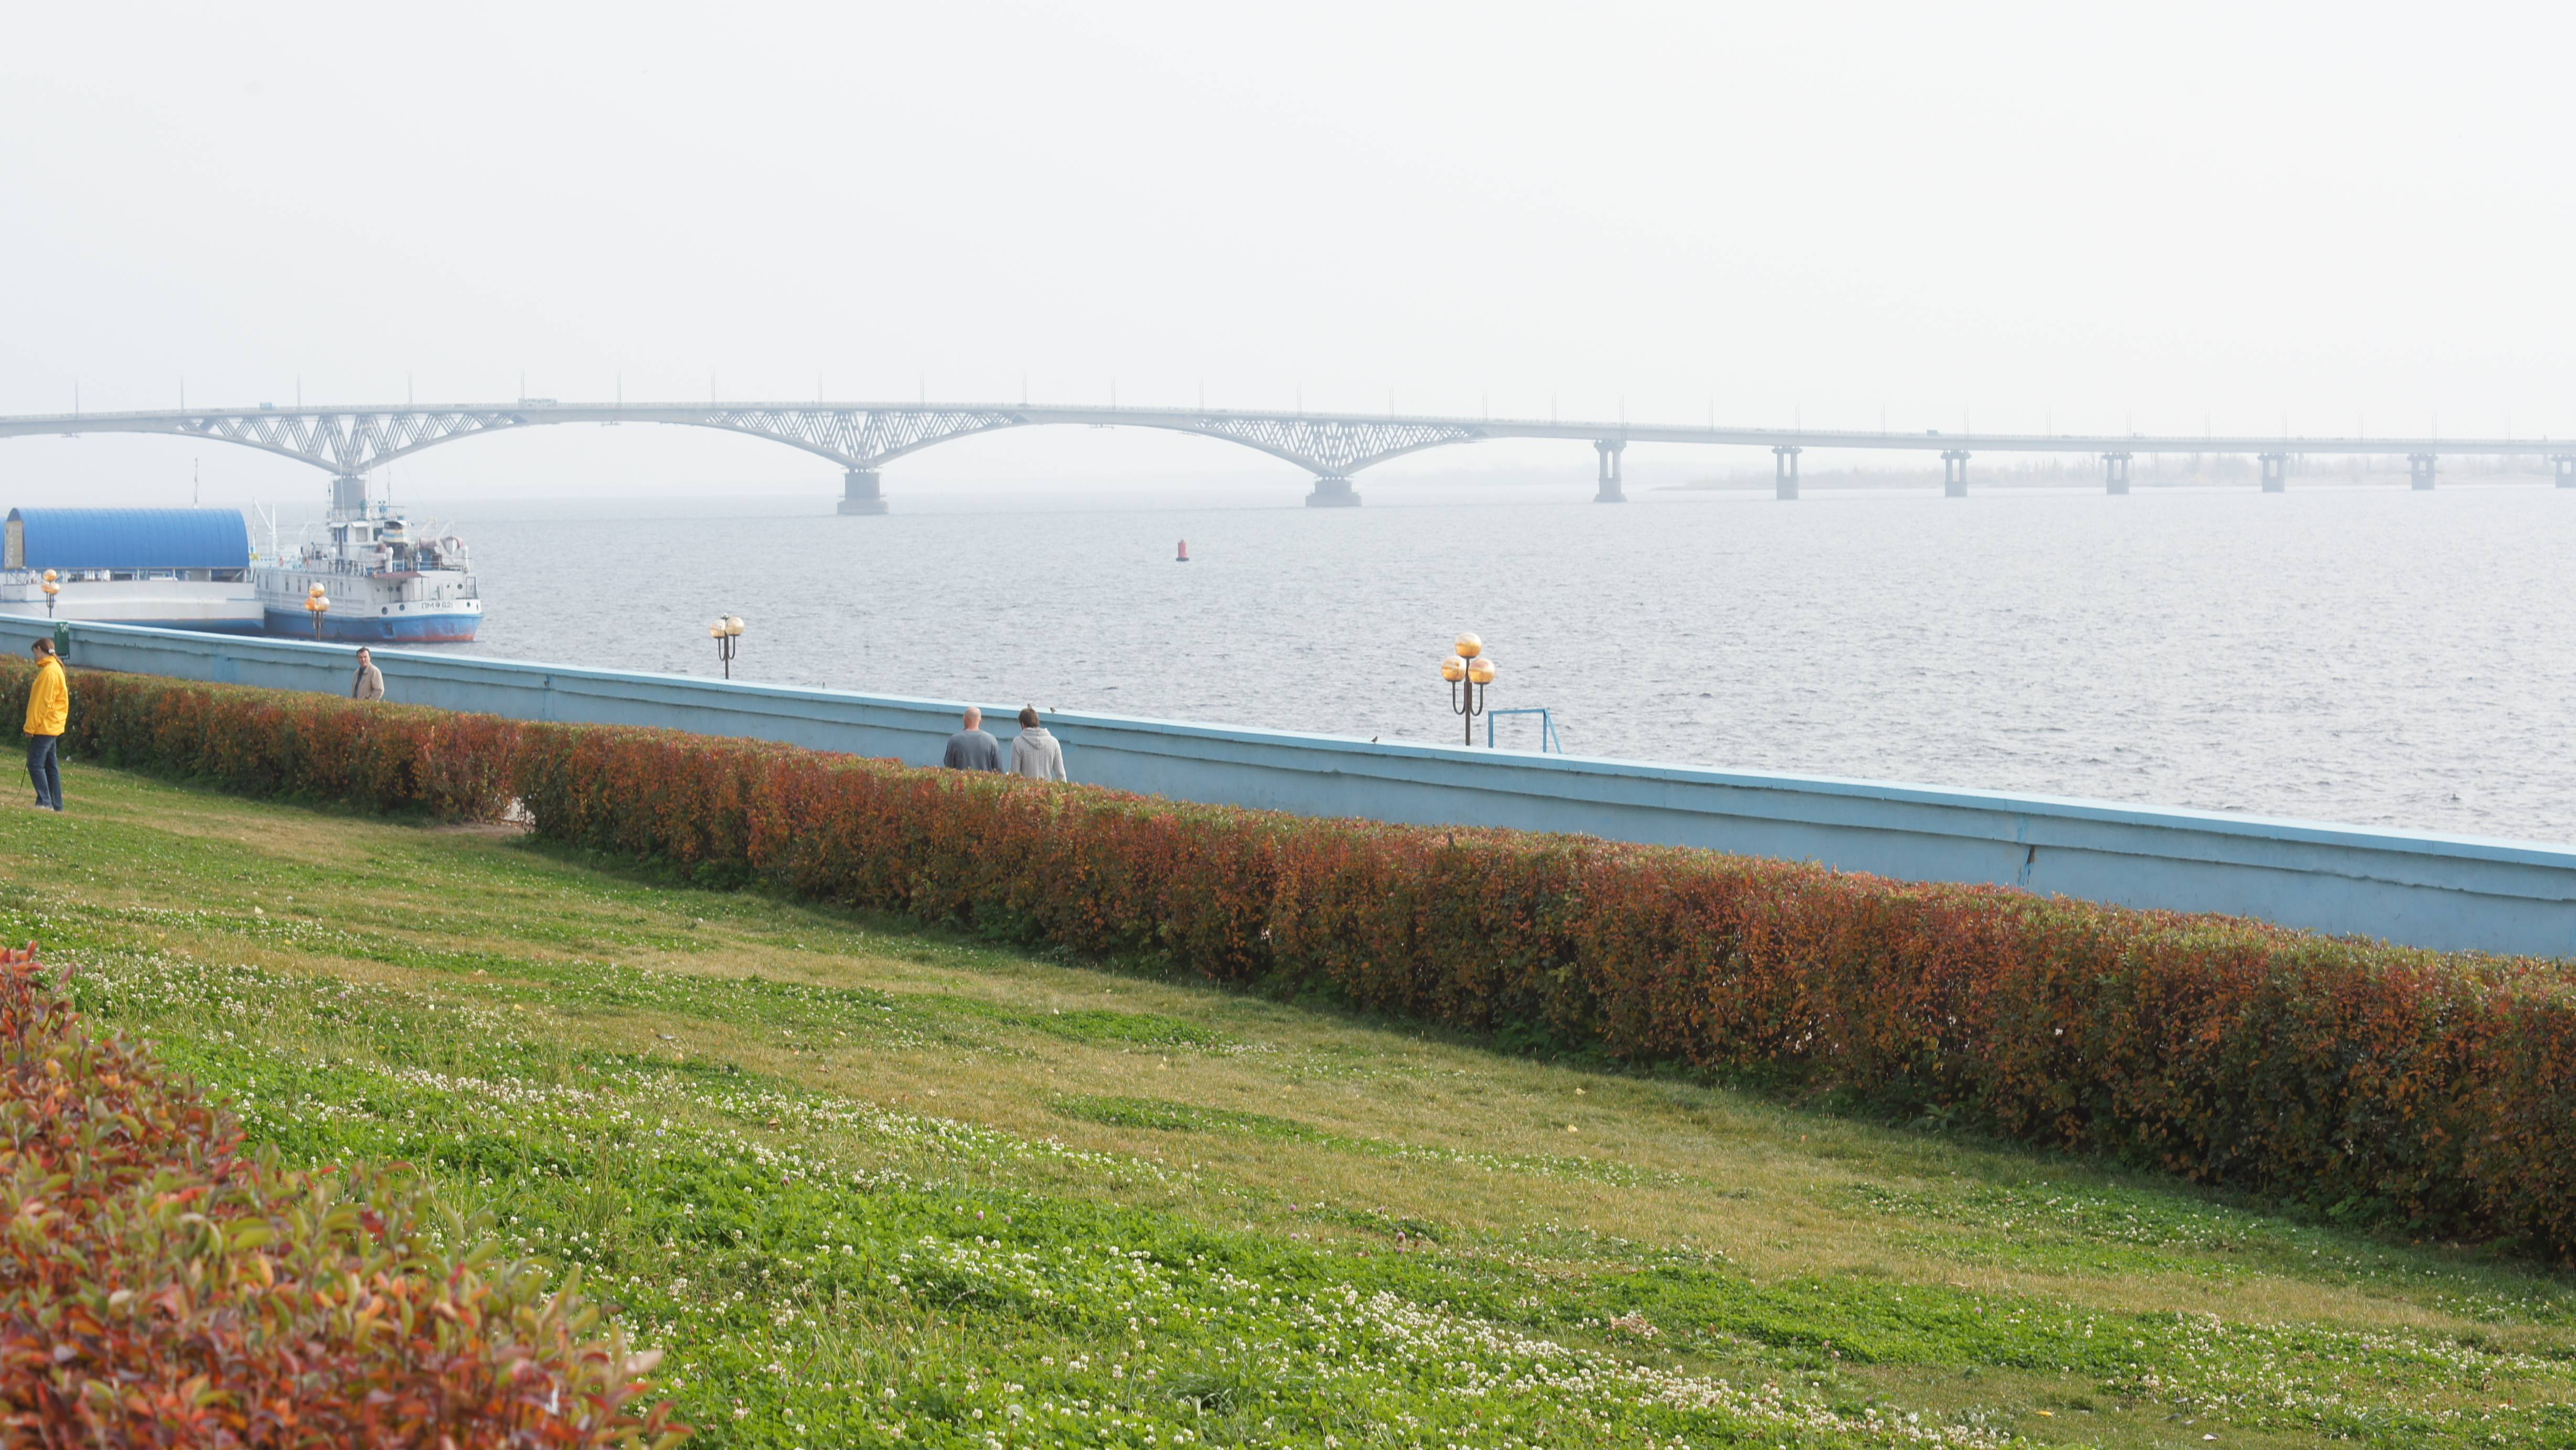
(2008, 215)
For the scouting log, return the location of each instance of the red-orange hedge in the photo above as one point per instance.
(272, 742)
(161, 1287)
(2438, 1090)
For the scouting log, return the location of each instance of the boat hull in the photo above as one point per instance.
(215, 607)
(370, 628)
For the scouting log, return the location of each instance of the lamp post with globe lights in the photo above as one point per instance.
(317, 604)
(727, 633)
(52, 586)
(1468, 672)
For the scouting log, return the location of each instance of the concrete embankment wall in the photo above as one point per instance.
(2425, 890)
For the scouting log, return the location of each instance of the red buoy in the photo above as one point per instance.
(1185, 553)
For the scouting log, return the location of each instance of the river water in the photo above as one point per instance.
(2368, 655)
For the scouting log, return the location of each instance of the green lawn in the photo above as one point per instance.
(869, 1185)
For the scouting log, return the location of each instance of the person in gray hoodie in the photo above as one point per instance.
(1034, 752)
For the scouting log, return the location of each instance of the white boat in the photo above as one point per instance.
(383, 584)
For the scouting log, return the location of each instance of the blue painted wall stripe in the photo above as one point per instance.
(2453, 892)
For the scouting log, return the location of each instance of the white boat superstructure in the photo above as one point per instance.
(383, 582)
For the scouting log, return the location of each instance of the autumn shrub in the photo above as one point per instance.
(2431, 1090)
(375, 756)
(161, 1286)
(2427, 1089)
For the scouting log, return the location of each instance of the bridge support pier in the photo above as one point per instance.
(2419, 471)
(860, 493)
(1613, 482)
(1332, 493)
(1784, 471)
(2115, 473)
(1954, 473)
(349, 494)
(2564, 465)
(2276, 472)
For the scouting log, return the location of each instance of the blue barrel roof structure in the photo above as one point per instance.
(127, 539)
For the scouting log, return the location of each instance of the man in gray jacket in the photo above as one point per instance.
(369, 682)
(971, 748)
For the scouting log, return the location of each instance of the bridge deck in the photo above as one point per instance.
(862, 437)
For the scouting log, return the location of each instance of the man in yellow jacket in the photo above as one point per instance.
(49, 709)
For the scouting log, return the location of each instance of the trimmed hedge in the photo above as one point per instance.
(159, 1286)
(2438, 1091)
(2362, 1078)
(276, 743)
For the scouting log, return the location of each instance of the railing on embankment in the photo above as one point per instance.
(2435, 891)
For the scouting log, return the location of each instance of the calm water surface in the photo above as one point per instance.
(2364, 655)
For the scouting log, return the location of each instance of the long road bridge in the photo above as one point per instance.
(863, 437)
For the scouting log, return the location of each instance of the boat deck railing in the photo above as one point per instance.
(352, 568)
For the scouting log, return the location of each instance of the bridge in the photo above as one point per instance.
(863, 437)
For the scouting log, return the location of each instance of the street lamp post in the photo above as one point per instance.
(727, 633)
(1468, 672)
(53, 586)
(317, 604)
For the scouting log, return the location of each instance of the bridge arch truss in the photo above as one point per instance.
(350, 442)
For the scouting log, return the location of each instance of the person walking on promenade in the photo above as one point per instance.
(972, 748)
(369, 682)
(1034, 752)
(49, 709)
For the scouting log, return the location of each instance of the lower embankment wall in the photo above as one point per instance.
(2448, 892)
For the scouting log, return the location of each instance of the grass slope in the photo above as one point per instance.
(871, 1186)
